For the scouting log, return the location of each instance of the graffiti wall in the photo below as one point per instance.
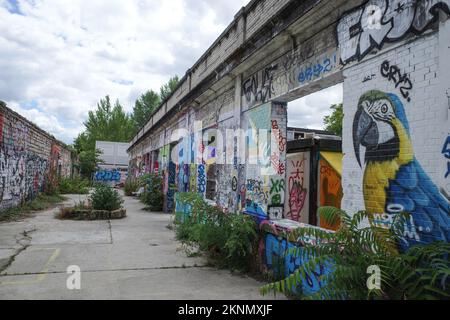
(29, 157)
(280, 257)
(376, 22)
(297, 183)
(266, 169)
(108, 176)
(391, 165)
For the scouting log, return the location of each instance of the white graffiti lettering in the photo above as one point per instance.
(378, 21)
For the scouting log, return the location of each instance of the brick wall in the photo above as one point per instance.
(396, 96)
(26, 155)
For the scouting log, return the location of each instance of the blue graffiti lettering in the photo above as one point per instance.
(317, 69)
(446, 153)
(279, 253)
(108, 176)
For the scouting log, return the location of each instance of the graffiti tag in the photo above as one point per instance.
(379, 21)
(259, 87)
(108, 176)
(395, 75)
(317, 69)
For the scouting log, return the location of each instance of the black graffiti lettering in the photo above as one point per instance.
(377, 21)
(256, 91)
(395, 75)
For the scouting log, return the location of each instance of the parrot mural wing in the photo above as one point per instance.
(413, 191)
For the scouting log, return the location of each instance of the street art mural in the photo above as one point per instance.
(22, 176)
(376, 22)
(265, 172)
(171, 187)
(36, 171)
(12, 175)
(297, 192)
(108, 176)
(201, 179)
(279, 257)
(331, 192)
(394, 181)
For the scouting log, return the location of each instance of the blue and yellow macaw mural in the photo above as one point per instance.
(394, 181)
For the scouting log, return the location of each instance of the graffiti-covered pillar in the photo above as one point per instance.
(265, 184)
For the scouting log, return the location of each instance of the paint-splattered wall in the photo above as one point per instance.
(27, 157)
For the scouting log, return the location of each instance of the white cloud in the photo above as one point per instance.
(65, 55)
(309, 112)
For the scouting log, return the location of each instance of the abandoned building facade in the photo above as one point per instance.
(31, 160)
(392, 58)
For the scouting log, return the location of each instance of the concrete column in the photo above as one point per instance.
(265, 169)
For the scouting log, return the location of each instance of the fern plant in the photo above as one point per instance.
(420, 273)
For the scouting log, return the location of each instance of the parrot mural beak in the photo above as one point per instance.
(365, 132)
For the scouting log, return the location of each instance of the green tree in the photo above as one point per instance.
(106, 123)
(167, 89)
(333, 123)
(109, 123)
(144, 107)
(89, 161)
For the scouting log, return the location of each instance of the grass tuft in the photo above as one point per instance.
(41, 203)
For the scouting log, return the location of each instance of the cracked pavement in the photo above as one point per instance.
(133, 258)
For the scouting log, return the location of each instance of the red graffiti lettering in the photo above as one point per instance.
(297, 198)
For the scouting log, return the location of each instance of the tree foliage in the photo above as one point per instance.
(106, 123)
(167, 89)
(144, 107)
(109, 122)
(333, 123)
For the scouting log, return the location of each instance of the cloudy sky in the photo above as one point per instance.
(59, 57)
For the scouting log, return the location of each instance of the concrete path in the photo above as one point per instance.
(134, 258)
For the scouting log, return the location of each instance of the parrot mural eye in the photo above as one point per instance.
(384, 108)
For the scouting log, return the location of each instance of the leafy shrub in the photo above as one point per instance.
(153, 196)
(106, 198)
(74, 186)
(420, 273)
(228, 240)
(131, 186)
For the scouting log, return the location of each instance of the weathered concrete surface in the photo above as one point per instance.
(134, 258)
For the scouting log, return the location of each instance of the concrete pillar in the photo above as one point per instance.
(265, 169)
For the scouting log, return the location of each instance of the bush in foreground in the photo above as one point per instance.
(105, 198)
(228, 240)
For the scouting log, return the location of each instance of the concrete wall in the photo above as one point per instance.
(28, 156)
(113, 153)
(393, 59)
